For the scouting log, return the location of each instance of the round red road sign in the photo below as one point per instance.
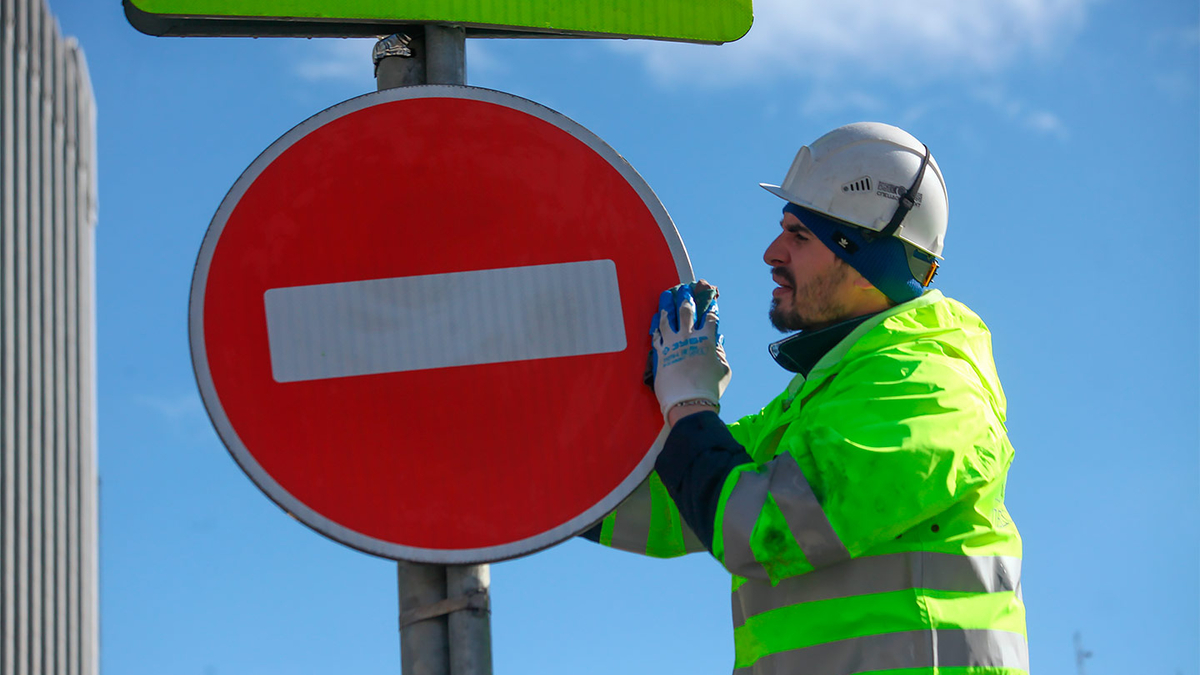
(419, 322)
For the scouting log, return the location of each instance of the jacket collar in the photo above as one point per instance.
(828, 358)
(800, 352)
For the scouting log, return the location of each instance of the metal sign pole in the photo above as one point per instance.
(424, 641)
(471, 627)
(445, 615)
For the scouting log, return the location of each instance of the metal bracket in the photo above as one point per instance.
(476, 601)
(396, 44)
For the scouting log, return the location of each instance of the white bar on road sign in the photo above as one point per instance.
(444, 320)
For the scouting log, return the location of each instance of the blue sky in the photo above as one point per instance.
(1069, 134)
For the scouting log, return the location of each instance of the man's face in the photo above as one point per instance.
(813, 283)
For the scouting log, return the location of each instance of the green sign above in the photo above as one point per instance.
(711, 21)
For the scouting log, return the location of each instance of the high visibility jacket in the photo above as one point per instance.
(861, 513)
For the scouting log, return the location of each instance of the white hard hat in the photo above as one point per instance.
(862, 174)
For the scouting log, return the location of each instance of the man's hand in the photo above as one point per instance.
(690, 360)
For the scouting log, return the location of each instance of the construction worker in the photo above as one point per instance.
(861, 512)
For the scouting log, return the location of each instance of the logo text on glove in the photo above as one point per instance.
(694, 346)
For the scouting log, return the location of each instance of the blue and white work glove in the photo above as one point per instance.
(689, 357)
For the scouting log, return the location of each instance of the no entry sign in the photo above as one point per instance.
(418, 322)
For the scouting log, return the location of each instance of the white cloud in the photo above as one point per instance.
(916, 111)
(1174, 49)
(481, 58)
(824, 100)
(1175, 85)
(1046, 123)
(1041, 121)
(175, 408)
(346, 60)
(183, 414)
(907, 41)
(1177, 38)
(349, 61)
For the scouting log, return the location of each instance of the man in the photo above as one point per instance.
(861, 512)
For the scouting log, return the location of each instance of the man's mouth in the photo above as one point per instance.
(783, 278)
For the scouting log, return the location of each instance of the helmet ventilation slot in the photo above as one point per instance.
(861, 185)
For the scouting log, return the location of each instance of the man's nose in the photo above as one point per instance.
(776, 253)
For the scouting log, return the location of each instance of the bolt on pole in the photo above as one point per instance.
(445, 615)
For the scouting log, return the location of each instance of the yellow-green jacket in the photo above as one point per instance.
(861, 513)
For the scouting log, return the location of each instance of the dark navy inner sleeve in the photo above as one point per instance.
(593, 533)
(695, 460)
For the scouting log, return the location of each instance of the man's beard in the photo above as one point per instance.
(817, 294)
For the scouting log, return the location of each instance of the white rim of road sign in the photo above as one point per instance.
(246, 460)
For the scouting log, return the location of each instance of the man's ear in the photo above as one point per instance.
(860, 282)
(867, 290)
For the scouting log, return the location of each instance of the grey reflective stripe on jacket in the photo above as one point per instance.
(631, 523)
(691, 543)
(631, 526)
(783, 479)
(944, 648)
(881, 574)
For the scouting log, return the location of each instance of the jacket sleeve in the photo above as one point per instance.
(893, 440)
(647, 522)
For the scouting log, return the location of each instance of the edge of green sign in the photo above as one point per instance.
(524, 18)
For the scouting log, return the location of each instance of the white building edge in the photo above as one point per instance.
(48, 480)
